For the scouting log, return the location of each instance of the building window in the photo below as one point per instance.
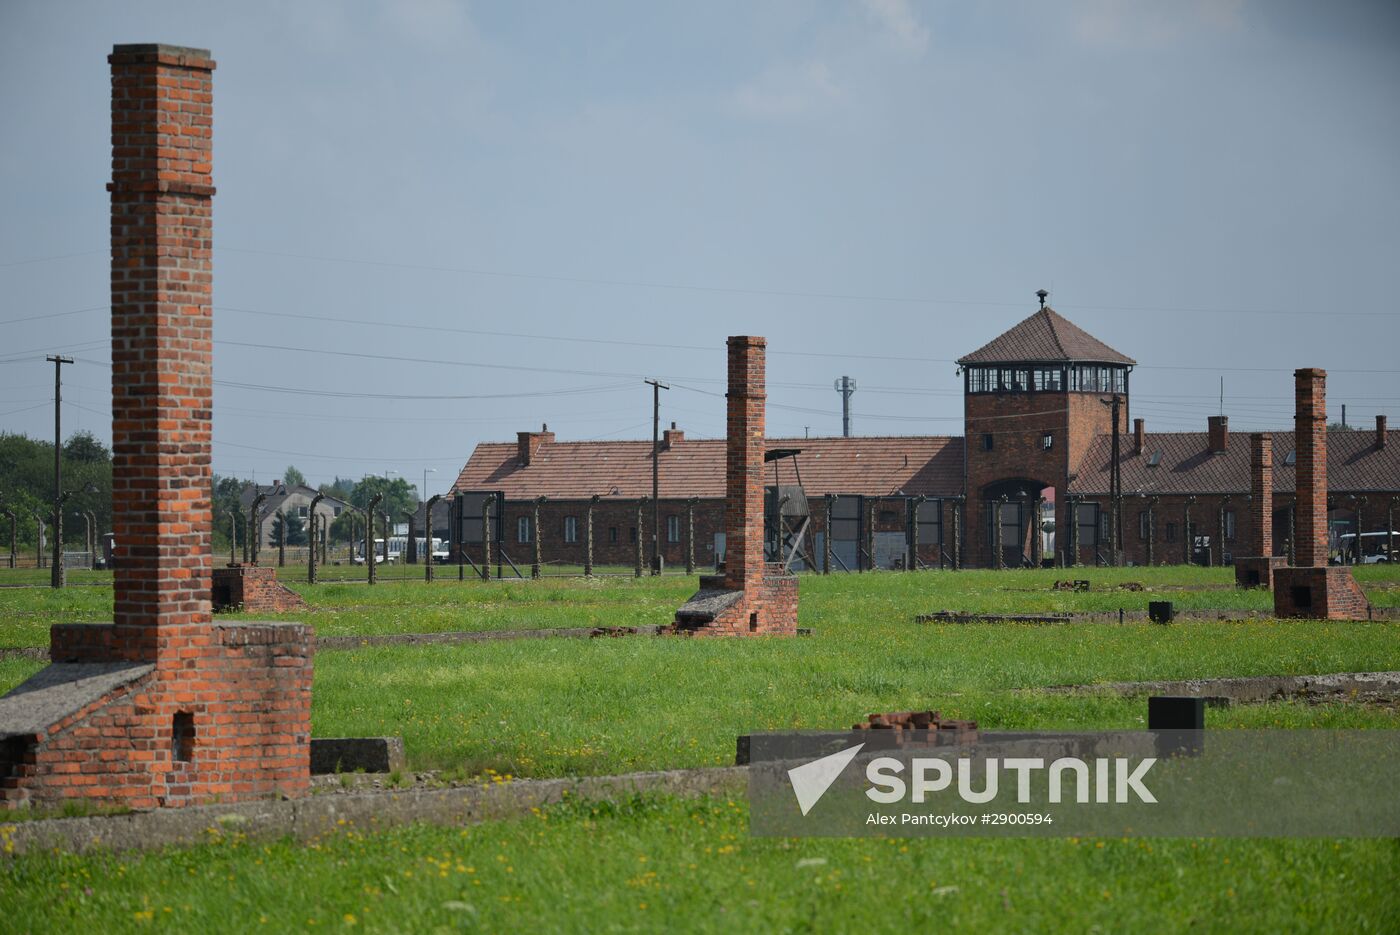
(1230, 524)
(1087, 521)
(987, 441)
(1047, 441)
(571, 529)
(673, 529)
(612, 533)
(1143, 526)
(1171, 532)
(301, 512)
(337, 510)
(631, 533)
(888, 517)
(522, 529)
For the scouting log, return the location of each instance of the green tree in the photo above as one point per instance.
(292, 477)
(399, 497)
(296, 529)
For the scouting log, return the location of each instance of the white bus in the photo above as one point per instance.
(1374, 548)
(398, 549)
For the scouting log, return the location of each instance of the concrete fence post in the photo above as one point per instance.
(641, 538)
(690, 535)
(536, 537)
(40, 540)
(1358, 505)
(1188, 534)
(385, 529)
(14, 535)
(281, 538)
(428, 560)
(1072, 556)
(913, 563)
(254, 531)
(233, 537)
(1292, 514)
(826, 534)
(1218, 559)
(486, 536)
(870, 514)
(1151, 530)
(311, 538)
(997, 554)
(371, 571)
(588, 536)
(1037, 534)
(411, 547)
(957, 532)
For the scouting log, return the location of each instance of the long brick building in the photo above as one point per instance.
(1030, 482)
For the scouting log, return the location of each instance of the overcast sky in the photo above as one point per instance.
(547, 202)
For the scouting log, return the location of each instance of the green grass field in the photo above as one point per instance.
(576, 707)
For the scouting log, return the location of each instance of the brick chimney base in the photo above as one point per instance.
(232, 724)
(1327, 593)
(717, 611)
(1258, 571)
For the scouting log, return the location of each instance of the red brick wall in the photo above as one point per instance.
(1261, 489)
(253, 589)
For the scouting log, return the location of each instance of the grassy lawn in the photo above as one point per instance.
(574, 707)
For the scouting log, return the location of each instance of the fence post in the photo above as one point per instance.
(957, 532)
(826, 535)
(1151, 530)
(385, 528)
(1218, 553)
(370, 562)
(411, 547)
(535, 536)
(89, 542)
(486, 536)
(39, 539)
(311, 538)
(1189, 545)
(281, 539)
(14, 535)
(1000, 559)
(1357, 503)
(641, 507)
(588, 537)
(1037, 534)
(913, 564)
(690, 535)
(254, 530)
(428, 535)
(870, 532)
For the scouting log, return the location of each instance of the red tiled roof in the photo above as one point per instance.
(1045, 336)
(915, 465)
(1354, 463)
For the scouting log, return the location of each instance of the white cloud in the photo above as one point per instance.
(788, 91)
(898, 20)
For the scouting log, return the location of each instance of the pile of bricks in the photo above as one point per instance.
(920, 727)
(1079, 584)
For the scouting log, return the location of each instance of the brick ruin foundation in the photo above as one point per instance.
(161, 707)
(751, 596)
(1255, 568)
(253, 589)
(1312, 588)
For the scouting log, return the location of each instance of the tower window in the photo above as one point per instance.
(987, 441)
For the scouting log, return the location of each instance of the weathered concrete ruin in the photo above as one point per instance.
(1310, 587)
(751, 596)
(162, 706)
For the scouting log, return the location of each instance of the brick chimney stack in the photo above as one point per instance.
(162, 235)
(1310, 425)
(1261, 488)
(1380, 431)
(1219, 430)
(743, 528)
(672, 436)
(527, 444)
(1139, 435)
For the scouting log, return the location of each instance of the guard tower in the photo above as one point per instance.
(1034, 399)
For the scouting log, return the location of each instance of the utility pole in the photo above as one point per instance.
(656, 387)
(1115, 485)
(56, 573)
(845, 386)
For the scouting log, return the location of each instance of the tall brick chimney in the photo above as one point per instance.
(162, 362)
(1219, 431)
(1261, 488)
(1380, 431)
(743, 528)
(1310, 426)
(527, 444)
(1139, 435)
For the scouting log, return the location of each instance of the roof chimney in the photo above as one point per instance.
(1380, 431)
(671, 436)
(1139, 435)
(527, 444)
(1219, 431)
